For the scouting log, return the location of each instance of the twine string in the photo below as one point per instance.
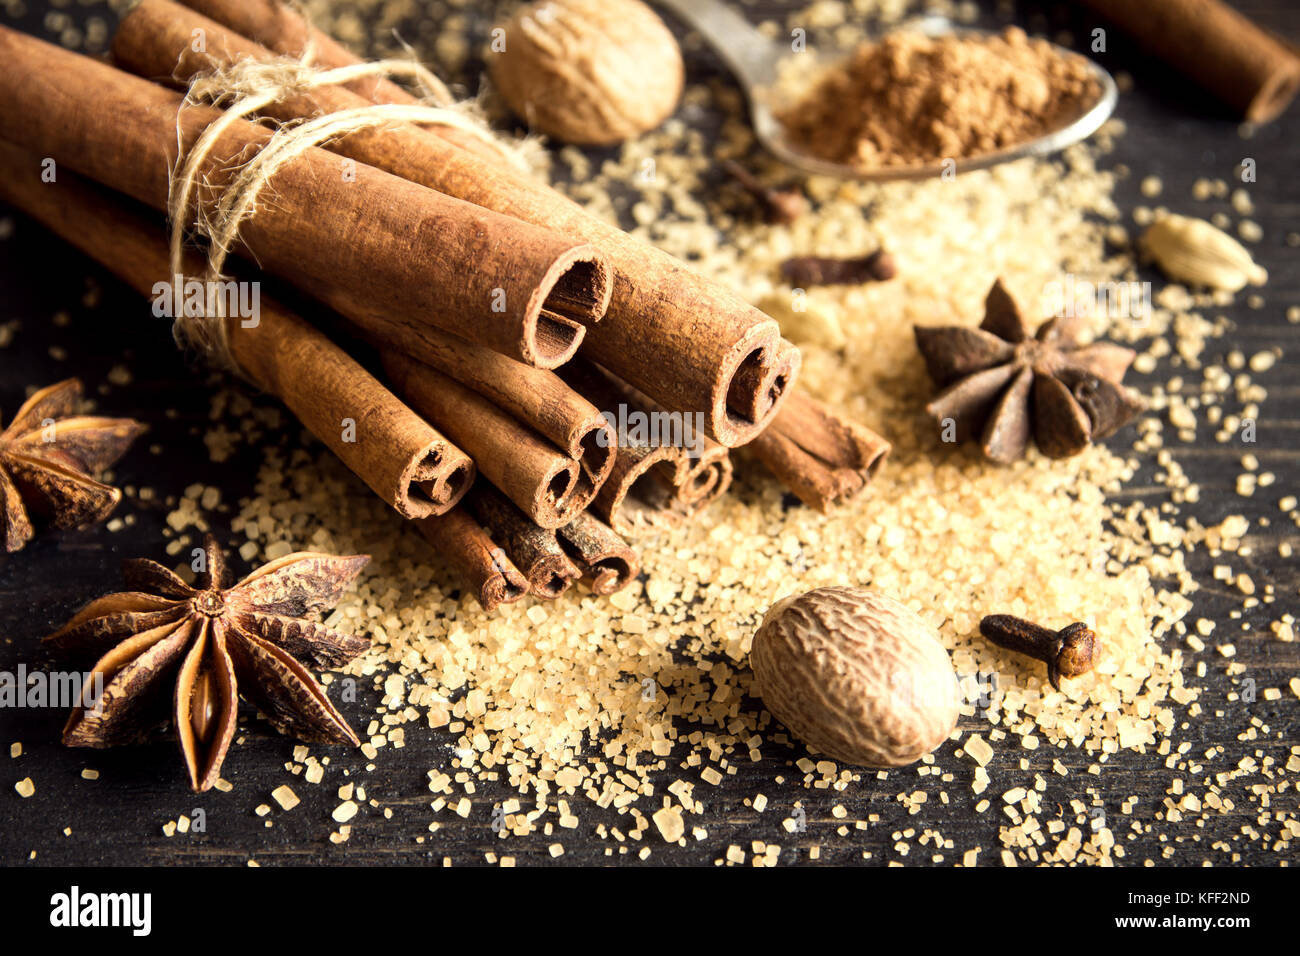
(245, 88)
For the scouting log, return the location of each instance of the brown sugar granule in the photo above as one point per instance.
(916, 99)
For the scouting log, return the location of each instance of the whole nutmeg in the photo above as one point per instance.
(592, 72)
(856, 675)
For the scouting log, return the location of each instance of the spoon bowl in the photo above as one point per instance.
(759, 64)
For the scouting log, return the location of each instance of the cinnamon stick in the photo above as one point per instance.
(535, 550)
(281, 28)
(534, 397)
(641, 493)
(466, 546)
(404, 460)
(703, 468)
(702, 480)
(694, 472)
(383, 251)
(600, 553)
(638, 497)
(542, 480)
(1216, 47)
(684, 340)
(823, 458)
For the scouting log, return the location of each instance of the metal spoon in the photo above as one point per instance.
(757, 62)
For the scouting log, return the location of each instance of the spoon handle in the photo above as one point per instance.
(751, 55)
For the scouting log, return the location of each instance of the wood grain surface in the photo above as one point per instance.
(1172, 133)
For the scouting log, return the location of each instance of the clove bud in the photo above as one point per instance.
(806, 271)
(781, 205)
(1069, 652)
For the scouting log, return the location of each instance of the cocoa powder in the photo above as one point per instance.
(912, 99)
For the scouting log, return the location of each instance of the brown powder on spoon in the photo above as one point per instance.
(912, 99)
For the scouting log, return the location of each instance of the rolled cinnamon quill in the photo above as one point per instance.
(544, 481)
(405, 461)
(534, 397)
(696, 471)
(383, 251)
(1216, 47)
(600, 553)
(638, 497)
(534, 550)
(466, 546)
(682, 339)
(823, 458)
(641, 493)
(704, 478)
(274, 25)
(703, 469)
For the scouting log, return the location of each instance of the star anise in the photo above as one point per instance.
(205, 646)
(1000, 383)
(47, 459)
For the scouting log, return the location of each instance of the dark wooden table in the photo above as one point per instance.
(119, 818)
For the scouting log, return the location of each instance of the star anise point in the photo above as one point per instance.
(49, 456)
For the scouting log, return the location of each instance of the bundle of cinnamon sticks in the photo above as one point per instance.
(546, 385)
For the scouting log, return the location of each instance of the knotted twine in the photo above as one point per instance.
(247, 87)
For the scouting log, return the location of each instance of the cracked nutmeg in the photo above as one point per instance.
(48, 456)
(197, 649)
(1001, 384)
